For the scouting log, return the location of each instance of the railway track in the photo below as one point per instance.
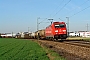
(70, 49)
(81, 43)
(78, 43)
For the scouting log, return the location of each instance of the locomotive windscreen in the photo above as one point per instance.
(59, 25)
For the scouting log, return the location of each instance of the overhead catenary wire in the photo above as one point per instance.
(85, 2)
(57, 7)
(77, 7)
(53, 11)
(61, 8)
(42, 20)
(80, 11)
(64, 6)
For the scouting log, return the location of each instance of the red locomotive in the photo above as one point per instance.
(57, 30)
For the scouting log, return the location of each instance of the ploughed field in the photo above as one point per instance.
(21, 49)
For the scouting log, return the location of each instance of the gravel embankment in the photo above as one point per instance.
(70, 52)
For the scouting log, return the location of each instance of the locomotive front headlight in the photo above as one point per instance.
(56, 33)
(56, 30)
(64, 30)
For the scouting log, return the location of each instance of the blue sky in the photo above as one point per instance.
(18, 15)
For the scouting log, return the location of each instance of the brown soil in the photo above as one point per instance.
(70, 52)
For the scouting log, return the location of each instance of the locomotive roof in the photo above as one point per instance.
(58, 22)
(54, 23)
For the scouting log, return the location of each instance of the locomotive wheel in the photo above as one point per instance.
(56, 38)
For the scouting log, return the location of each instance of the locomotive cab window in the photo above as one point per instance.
(59, 25)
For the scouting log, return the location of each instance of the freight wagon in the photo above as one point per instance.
(24, 35)
(40, 34)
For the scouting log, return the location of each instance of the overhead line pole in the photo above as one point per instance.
(28, 29)
(68, 25)
(87, 27)
(51, 20)
(12, 34)
(38, 28)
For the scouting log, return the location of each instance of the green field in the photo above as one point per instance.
(20, 49)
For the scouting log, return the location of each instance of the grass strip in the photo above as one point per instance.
(52, 54)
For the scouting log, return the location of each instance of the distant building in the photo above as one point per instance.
(80, 33)
(8, 35)
(84, 34)
(74, 34)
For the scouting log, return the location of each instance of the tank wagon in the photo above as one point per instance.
(32, 36)
(40, 34)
